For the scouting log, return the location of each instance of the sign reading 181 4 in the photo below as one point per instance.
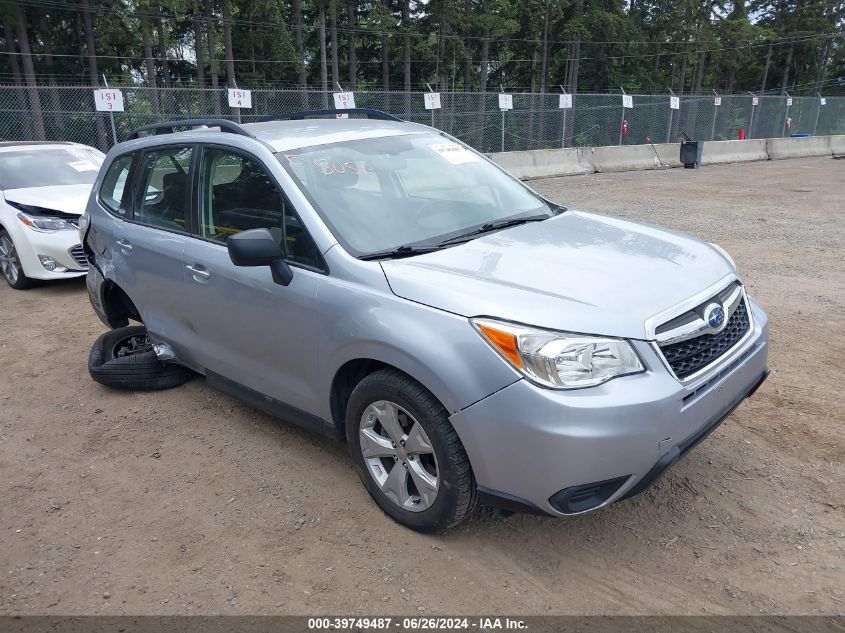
(240, 98)
(432, 100)
(108, 100)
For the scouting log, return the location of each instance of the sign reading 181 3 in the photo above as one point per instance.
(108, 100)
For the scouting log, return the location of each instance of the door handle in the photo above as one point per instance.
(126, 246)
(196, 271)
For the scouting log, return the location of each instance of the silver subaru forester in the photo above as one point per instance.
(379, 281)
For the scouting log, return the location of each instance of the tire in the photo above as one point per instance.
(120, 358)
(447, 464)
(10, 265)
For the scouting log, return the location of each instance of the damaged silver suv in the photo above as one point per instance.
(380, 282)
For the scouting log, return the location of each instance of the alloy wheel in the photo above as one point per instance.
(8, 260)
(399, 456)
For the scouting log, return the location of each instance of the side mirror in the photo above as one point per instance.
(258, 247)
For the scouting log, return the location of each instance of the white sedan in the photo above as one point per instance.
(45, 187)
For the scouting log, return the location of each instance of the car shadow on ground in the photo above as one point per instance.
(57, 287)
(671, 498)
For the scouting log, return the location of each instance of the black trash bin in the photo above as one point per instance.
(691, 153)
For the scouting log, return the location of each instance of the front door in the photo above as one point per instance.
(247, 328)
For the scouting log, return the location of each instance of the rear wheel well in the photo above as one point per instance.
(345, 380)
(117, 306)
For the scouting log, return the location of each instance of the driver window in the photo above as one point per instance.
(237, 194)
(164, 187)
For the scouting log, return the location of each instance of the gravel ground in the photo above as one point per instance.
(187, 501)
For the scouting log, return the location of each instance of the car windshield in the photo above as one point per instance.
(39, 167)
(418, 189)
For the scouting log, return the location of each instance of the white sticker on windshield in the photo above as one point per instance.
(454, 153)
(83, 165)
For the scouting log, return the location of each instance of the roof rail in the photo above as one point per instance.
(167, 127)
(306, 114)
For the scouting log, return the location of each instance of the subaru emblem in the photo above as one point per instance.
(714, 316)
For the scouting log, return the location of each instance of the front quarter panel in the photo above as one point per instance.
(362, 319)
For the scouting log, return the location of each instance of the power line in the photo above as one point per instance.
(428, 61)
(419, 88)
(777, 41)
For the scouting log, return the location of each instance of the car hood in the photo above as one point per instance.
(65, 198)
(576, 272)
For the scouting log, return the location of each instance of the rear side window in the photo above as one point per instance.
(114, 192)
(163, 180)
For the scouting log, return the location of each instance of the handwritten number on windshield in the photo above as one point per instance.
(329, 167)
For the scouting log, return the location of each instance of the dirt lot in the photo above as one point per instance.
(190, 502)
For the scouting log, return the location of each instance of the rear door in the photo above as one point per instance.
(149, 244)
(245, 327)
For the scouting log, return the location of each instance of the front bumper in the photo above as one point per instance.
(528, 444)
(57, 245)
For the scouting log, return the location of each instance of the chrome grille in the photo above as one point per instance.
(692, 318)
(691, 355)
(78, 254)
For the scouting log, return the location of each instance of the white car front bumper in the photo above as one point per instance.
(61, 246)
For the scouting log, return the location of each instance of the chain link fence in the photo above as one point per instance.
(535, 122)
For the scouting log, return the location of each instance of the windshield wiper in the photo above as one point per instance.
(401, 251)
(492, 226)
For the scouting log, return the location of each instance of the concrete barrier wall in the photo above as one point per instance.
(734, 151)
(624, 158)
(778, 148)
(670, 154)
(544, 163)
(547, 163)
(837, 145)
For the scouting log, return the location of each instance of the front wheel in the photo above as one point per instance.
(10, 264)
(407, 453)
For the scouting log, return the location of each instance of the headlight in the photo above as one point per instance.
(559, 359)
(724, 254)
(44, 224)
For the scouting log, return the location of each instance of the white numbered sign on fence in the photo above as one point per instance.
(240, 98)
(108, 100)
(675, 103)
(344, 100)
(717, 101)
(755, 101)
(505, 102)
(565, 102)
(627, 101)
(432, 100)
(822, 101)
(789, 101)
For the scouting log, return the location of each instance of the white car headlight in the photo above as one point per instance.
(560, 360)
(46, 224)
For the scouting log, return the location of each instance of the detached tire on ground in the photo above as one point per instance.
(124, 359)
